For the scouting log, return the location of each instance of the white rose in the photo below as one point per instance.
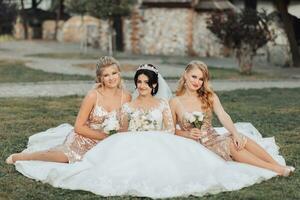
(189, 117)
(192, 119)
(199, 115)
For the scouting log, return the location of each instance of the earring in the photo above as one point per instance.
(202, 89)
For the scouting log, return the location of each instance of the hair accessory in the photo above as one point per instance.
(148, 67)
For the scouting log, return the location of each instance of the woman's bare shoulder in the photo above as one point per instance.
(91, 95)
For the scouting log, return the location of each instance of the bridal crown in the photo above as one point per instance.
(148, 67)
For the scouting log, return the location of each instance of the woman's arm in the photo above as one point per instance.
(81, 126)
(223, 117)
(226, 121)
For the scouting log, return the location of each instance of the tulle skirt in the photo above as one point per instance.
(147, 164)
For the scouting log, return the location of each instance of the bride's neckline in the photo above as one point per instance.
(150, 109)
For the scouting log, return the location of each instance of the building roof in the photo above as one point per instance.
(215, 5)
(167, 1)
(197, 4)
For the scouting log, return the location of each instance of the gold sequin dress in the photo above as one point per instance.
(220, 144)
(76, 145)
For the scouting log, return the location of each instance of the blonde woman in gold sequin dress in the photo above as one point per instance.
(102, 102)
(195, 96)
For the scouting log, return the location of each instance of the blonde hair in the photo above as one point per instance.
(205, 93)
(104, 62)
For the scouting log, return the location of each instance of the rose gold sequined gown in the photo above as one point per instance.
(76, 145)
(212, 140)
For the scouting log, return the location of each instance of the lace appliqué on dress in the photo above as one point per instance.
(155, 119)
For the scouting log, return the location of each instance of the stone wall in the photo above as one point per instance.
(205, 43)
(157, 31)
(161, 31)
(182, 31)
(48, 30)
(19, 32)
(165, 31)
(132, 31)
(88, 29)
(277, 51)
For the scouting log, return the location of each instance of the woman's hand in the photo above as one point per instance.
(194, 134)
(102, 135)
(239, 141)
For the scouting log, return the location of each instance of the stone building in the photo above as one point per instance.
(164, 27)
(173, 27)
(155, 27)
(35, 23)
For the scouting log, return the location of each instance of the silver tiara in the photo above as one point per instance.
(148, 67)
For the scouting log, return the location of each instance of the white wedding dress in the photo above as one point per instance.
(154, 163)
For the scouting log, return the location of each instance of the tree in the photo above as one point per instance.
(24, 20)
(76, 6)
(8, 13)
(110, 10)
(35, 3)
(244, 32)
(58, 7)
(79, 7)
(250, 4)
(282, 7)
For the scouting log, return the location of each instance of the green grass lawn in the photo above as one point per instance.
(274, 112)
(216, 73)
(89, 56)
(5, 38)
(66, 55)
(16, 71)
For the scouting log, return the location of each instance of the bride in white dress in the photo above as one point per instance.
(149, 160)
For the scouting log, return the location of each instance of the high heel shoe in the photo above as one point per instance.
(9, 160)
(288, 170)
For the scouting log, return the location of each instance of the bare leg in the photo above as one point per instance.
(245, 156)
(259, 152)
(48, 155)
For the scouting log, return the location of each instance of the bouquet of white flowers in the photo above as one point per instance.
(195, 118)
(142, 121)
(111, 125)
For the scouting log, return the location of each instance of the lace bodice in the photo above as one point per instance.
(158, 118)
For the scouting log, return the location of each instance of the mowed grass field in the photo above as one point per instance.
(12, 71)
(274, 112)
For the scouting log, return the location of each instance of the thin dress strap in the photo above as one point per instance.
(97, 97)
(121, 98)
(180, 104)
